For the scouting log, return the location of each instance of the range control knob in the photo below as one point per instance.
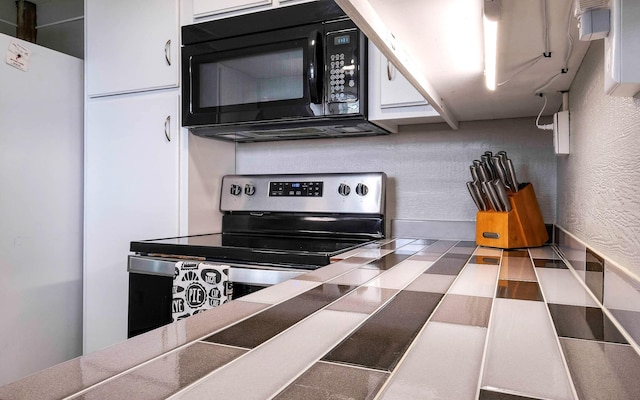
(249, 189)
(362, 189)
(235, 190)
(344, 189)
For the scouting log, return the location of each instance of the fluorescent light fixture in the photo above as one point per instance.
(490, 52)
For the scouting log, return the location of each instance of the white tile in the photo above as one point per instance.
(433, 283)
(620, 291)
(333, 270)
(262, 372)
(488, 252)
(413, 247)
(280, 292)
(560, 286)
(443, 364)
(401, 275)
(523, 354)
(357, 277)
(476, 280)
(373, 253)
(545, 252)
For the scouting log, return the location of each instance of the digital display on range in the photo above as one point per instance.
(295, 189)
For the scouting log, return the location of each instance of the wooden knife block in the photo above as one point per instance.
(523, 226)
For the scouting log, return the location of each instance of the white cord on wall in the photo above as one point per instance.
(548, 127)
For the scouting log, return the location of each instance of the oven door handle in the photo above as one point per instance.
(316, 72)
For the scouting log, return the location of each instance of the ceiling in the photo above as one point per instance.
(445, 39)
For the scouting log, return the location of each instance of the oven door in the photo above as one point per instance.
(151, 282)
(271, 76)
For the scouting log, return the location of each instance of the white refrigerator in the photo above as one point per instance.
(41, 147)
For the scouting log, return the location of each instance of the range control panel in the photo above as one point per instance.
(297, 188)
(362, 193)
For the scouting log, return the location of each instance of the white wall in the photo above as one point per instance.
(598, 183)
(40, 212)
(208, 161)
(427, 165)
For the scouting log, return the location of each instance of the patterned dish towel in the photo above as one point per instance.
(199, 286)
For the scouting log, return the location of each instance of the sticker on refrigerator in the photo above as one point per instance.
(18, 56)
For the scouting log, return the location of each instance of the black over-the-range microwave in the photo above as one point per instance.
(293, 72)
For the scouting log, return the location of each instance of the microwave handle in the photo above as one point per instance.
(316, 67)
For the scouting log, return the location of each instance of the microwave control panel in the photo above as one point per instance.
(343, 71)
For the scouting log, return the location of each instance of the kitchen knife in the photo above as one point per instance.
(475, 196)
(501, 191)
(492, 196)
(500, 170)
(512, 172)
(483, 197)
(486, 161)
(482, 173)
(509, 180)
(474, 173)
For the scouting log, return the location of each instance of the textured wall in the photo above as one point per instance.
(427, 165)
(598, 183)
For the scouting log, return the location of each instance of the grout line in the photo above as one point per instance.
(485, 350)
(567, 370)
(605, 310)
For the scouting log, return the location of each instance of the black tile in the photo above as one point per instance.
(515, 253)
(487, 260)
(265, 325)
(382, 340)
(334, 381)
(491, 395)
(448, 264)
(387, 262)
(545, 263)
(588, 323)
(518, 290)
(594, 276)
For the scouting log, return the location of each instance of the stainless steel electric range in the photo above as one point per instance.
(274, 227)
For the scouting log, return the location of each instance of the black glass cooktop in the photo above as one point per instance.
(300, 252)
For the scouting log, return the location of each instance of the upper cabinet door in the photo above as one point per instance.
(210, 7)
(132, 45)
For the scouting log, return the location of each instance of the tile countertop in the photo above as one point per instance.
(404, 319)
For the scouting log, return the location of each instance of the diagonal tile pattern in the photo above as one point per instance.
(405, 319)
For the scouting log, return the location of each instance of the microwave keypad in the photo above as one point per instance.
(338, 77)
(342, 79)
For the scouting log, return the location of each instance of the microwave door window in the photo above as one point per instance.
(262, 78)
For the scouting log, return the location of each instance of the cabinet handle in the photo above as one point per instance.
(167, 128)
(167, 52)
(390, 70)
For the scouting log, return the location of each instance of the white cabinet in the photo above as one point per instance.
(131, 45)
(211, 7)
(131, 193)
(224, 8)
(393, 100)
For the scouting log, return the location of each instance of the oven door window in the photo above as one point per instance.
(267, 82)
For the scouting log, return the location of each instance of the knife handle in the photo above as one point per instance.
(501, 191)
(492, 196)
(512, 172)
(474, 196)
